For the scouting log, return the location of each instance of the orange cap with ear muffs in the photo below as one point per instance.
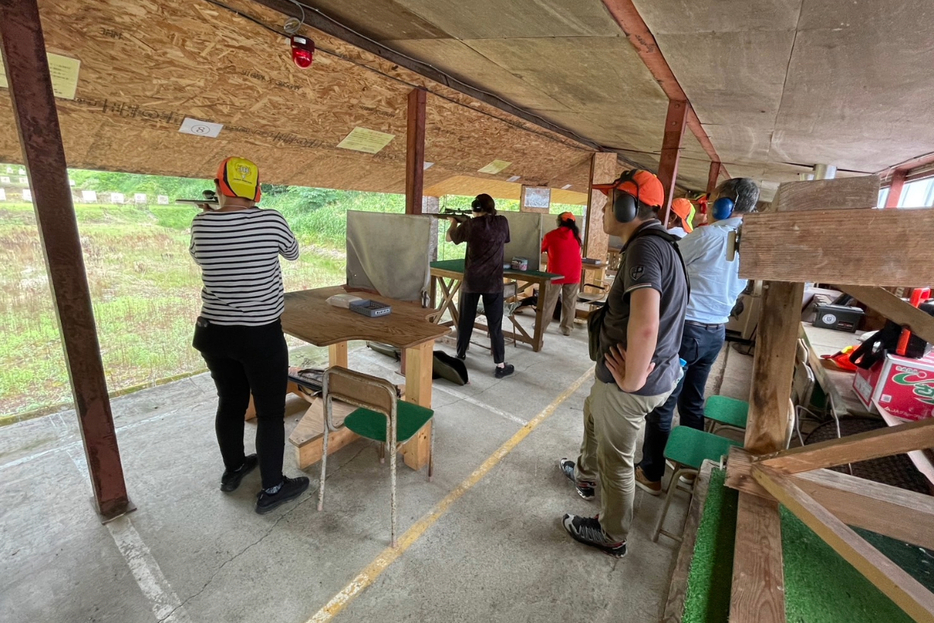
(239, 177)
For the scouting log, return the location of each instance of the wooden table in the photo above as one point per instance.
(308, 317)
(837, 384)
(448, 277)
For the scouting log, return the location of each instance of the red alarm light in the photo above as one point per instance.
(303, 51)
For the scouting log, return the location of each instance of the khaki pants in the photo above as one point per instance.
(568, 292)
(612, 419)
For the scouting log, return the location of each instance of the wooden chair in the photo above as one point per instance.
(378, 408)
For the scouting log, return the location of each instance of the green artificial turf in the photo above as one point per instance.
(820, 586)
(708, 595)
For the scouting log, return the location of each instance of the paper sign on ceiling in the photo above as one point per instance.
(64, 73)
(201, 128)
(494, 167)
(367, 141)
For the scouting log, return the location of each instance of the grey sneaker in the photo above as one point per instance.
(585, 488)
(587, 530)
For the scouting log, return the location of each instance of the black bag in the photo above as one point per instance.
(598, 317)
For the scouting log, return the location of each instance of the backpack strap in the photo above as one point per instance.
(672, 240)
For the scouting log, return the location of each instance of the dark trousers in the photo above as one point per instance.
(493, 310)
(699, 347)
(245, 360)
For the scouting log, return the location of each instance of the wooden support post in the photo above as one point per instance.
(895, 189)
(862, 447)
(27, 73)
(418, 364)
(712, 177)
(773, 366)
(895, 309)
(415, 151)
(758, 594)
(907, 593)
(602, 171)
(337, 355)
(671, 152)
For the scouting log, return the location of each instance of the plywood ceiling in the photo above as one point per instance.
(779, 85)
(145, 66)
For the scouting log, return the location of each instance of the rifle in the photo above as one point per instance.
(460, 216)
(208, 196)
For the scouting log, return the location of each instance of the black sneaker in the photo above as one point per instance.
(585, 489)
(505, 371)
(231, 479)
(587, 530)
(291, 488)
(461, 356)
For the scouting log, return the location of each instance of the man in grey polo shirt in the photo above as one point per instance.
(638, 365)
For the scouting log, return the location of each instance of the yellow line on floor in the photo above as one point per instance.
(389, 555)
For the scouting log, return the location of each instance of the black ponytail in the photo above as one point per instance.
(574, 230)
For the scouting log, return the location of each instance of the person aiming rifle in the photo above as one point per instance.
(486, 235)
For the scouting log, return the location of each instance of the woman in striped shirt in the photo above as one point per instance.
(237, 245)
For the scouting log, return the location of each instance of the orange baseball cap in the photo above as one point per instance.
(643, 185)
(239, 177)
(566, 216)
(685, 209)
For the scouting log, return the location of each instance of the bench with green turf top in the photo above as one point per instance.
(722, 411)
(687, 448)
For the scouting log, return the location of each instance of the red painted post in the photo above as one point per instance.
(27, 72)
(415, 152)
(895, 189)
(671, 151)
(713, 177)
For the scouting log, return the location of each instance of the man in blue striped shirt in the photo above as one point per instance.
(237, 245)
(715, 286)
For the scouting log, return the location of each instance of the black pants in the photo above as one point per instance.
(699, 347)
(493, 309)
(245, 360)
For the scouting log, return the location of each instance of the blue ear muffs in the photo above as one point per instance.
(722, 208)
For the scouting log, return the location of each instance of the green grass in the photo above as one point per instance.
(145, 288)
(145, 291)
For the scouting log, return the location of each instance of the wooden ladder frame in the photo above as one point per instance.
(787, 249)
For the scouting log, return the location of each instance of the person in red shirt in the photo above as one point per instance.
(563, 246)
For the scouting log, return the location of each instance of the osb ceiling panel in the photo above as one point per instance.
(146, 66)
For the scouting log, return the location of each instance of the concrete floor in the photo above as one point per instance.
(191, 553)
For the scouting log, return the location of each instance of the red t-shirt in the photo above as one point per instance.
(564, 255)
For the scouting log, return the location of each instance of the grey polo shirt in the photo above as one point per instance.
(648, 262)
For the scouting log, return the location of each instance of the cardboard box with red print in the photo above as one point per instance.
(904, 387)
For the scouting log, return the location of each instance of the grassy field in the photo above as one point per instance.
(144, 285)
